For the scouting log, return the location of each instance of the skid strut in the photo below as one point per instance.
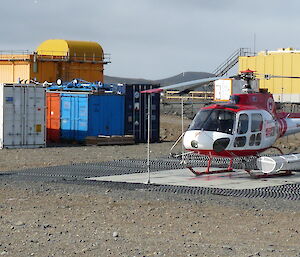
(208, 171)
(282, 174)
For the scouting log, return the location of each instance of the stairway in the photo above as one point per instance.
(231, 61)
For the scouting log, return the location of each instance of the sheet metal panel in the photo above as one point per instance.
(74, 116)
(85, 115)
(136, 109)
(22, 116)
(279, 63)
(13, 71)
(53, 117)
(106, 115)
(48, 70)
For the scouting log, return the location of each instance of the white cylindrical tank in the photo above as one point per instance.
(22, 116)
(274, 164)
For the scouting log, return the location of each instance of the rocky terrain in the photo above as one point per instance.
(57, 219)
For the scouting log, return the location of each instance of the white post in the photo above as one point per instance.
(182, 130)
(148, 142)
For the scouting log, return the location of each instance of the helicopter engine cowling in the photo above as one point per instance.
(196, 140)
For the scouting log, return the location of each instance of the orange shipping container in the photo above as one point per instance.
(53, 117)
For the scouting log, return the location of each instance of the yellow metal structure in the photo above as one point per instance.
(54, 59)
(71, 48)
(284, 62)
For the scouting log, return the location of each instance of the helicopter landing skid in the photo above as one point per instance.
(207, 172)
(282, 174)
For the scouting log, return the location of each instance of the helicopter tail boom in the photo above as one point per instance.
(289, 125)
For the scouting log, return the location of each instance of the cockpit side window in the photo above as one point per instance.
(257, 122)
(243, 124)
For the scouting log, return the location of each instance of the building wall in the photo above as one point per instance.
(278, 63)
(11, 71)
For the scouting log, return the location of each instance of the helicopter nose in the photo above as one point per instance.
(221, 144)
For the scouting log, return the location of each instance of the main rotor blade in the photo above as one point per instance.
(269, 76)
(183, 86)
(285, 77)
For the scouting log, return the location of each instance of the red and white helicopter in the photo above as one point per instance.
(247, 125)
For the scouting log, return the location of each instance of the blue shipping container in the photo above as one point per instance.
(85, 115)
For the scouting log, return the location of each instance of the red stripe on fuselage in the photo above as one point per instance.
(282, 127)
(229, 153)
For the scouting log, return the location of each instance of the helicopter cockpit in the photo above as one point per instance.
(214, 120)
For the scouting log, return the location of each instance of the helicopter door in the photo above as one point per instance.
(256, 128)
(242, 129)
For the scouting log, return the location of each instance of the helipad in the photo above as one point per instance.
(183, 177)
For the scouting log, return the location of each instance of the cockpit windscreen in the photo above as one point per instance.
(214, 120)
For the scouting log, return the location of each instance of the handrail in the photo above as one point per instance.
(231, 61)
(16, 55)
(207, 95)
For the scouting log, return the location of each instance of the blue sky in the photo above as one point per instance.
(154, 39)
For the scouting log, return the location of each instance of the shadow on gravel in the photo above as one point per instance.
(8, 173)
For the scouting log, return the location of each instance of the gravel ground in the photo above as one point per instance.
(52, 219)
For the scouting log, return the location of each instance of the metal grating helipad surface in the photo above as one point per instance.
(284, 187)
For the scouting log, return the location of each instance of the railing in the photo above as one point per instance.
(231, 61)
(25, 55)
(107, 58)
(192, 95)
(14, 55)
(14, 52)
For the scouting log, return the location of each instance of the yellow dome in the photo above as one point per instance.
(71, 48)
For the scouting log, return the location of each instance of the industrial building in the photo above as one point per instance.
(283, 62)
(54, 59)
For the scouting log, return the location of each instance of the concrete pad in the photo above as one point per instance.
(183, 177)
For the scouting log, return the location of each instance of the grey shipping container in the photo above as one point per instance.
(22, 116)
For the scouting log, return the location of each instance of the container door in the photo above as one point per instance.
(106, 115)
(23, 116)
(34, 116)
(74, 116)
(66, 117)
(13, 126)
(53, 117)
(136, 113)
(81, 127)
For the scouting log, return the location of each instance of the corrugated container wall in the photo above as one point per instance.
(54, 59)
(85, 115)
(280, 63)
(136, 110)
(22, 116)
(53, 117)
